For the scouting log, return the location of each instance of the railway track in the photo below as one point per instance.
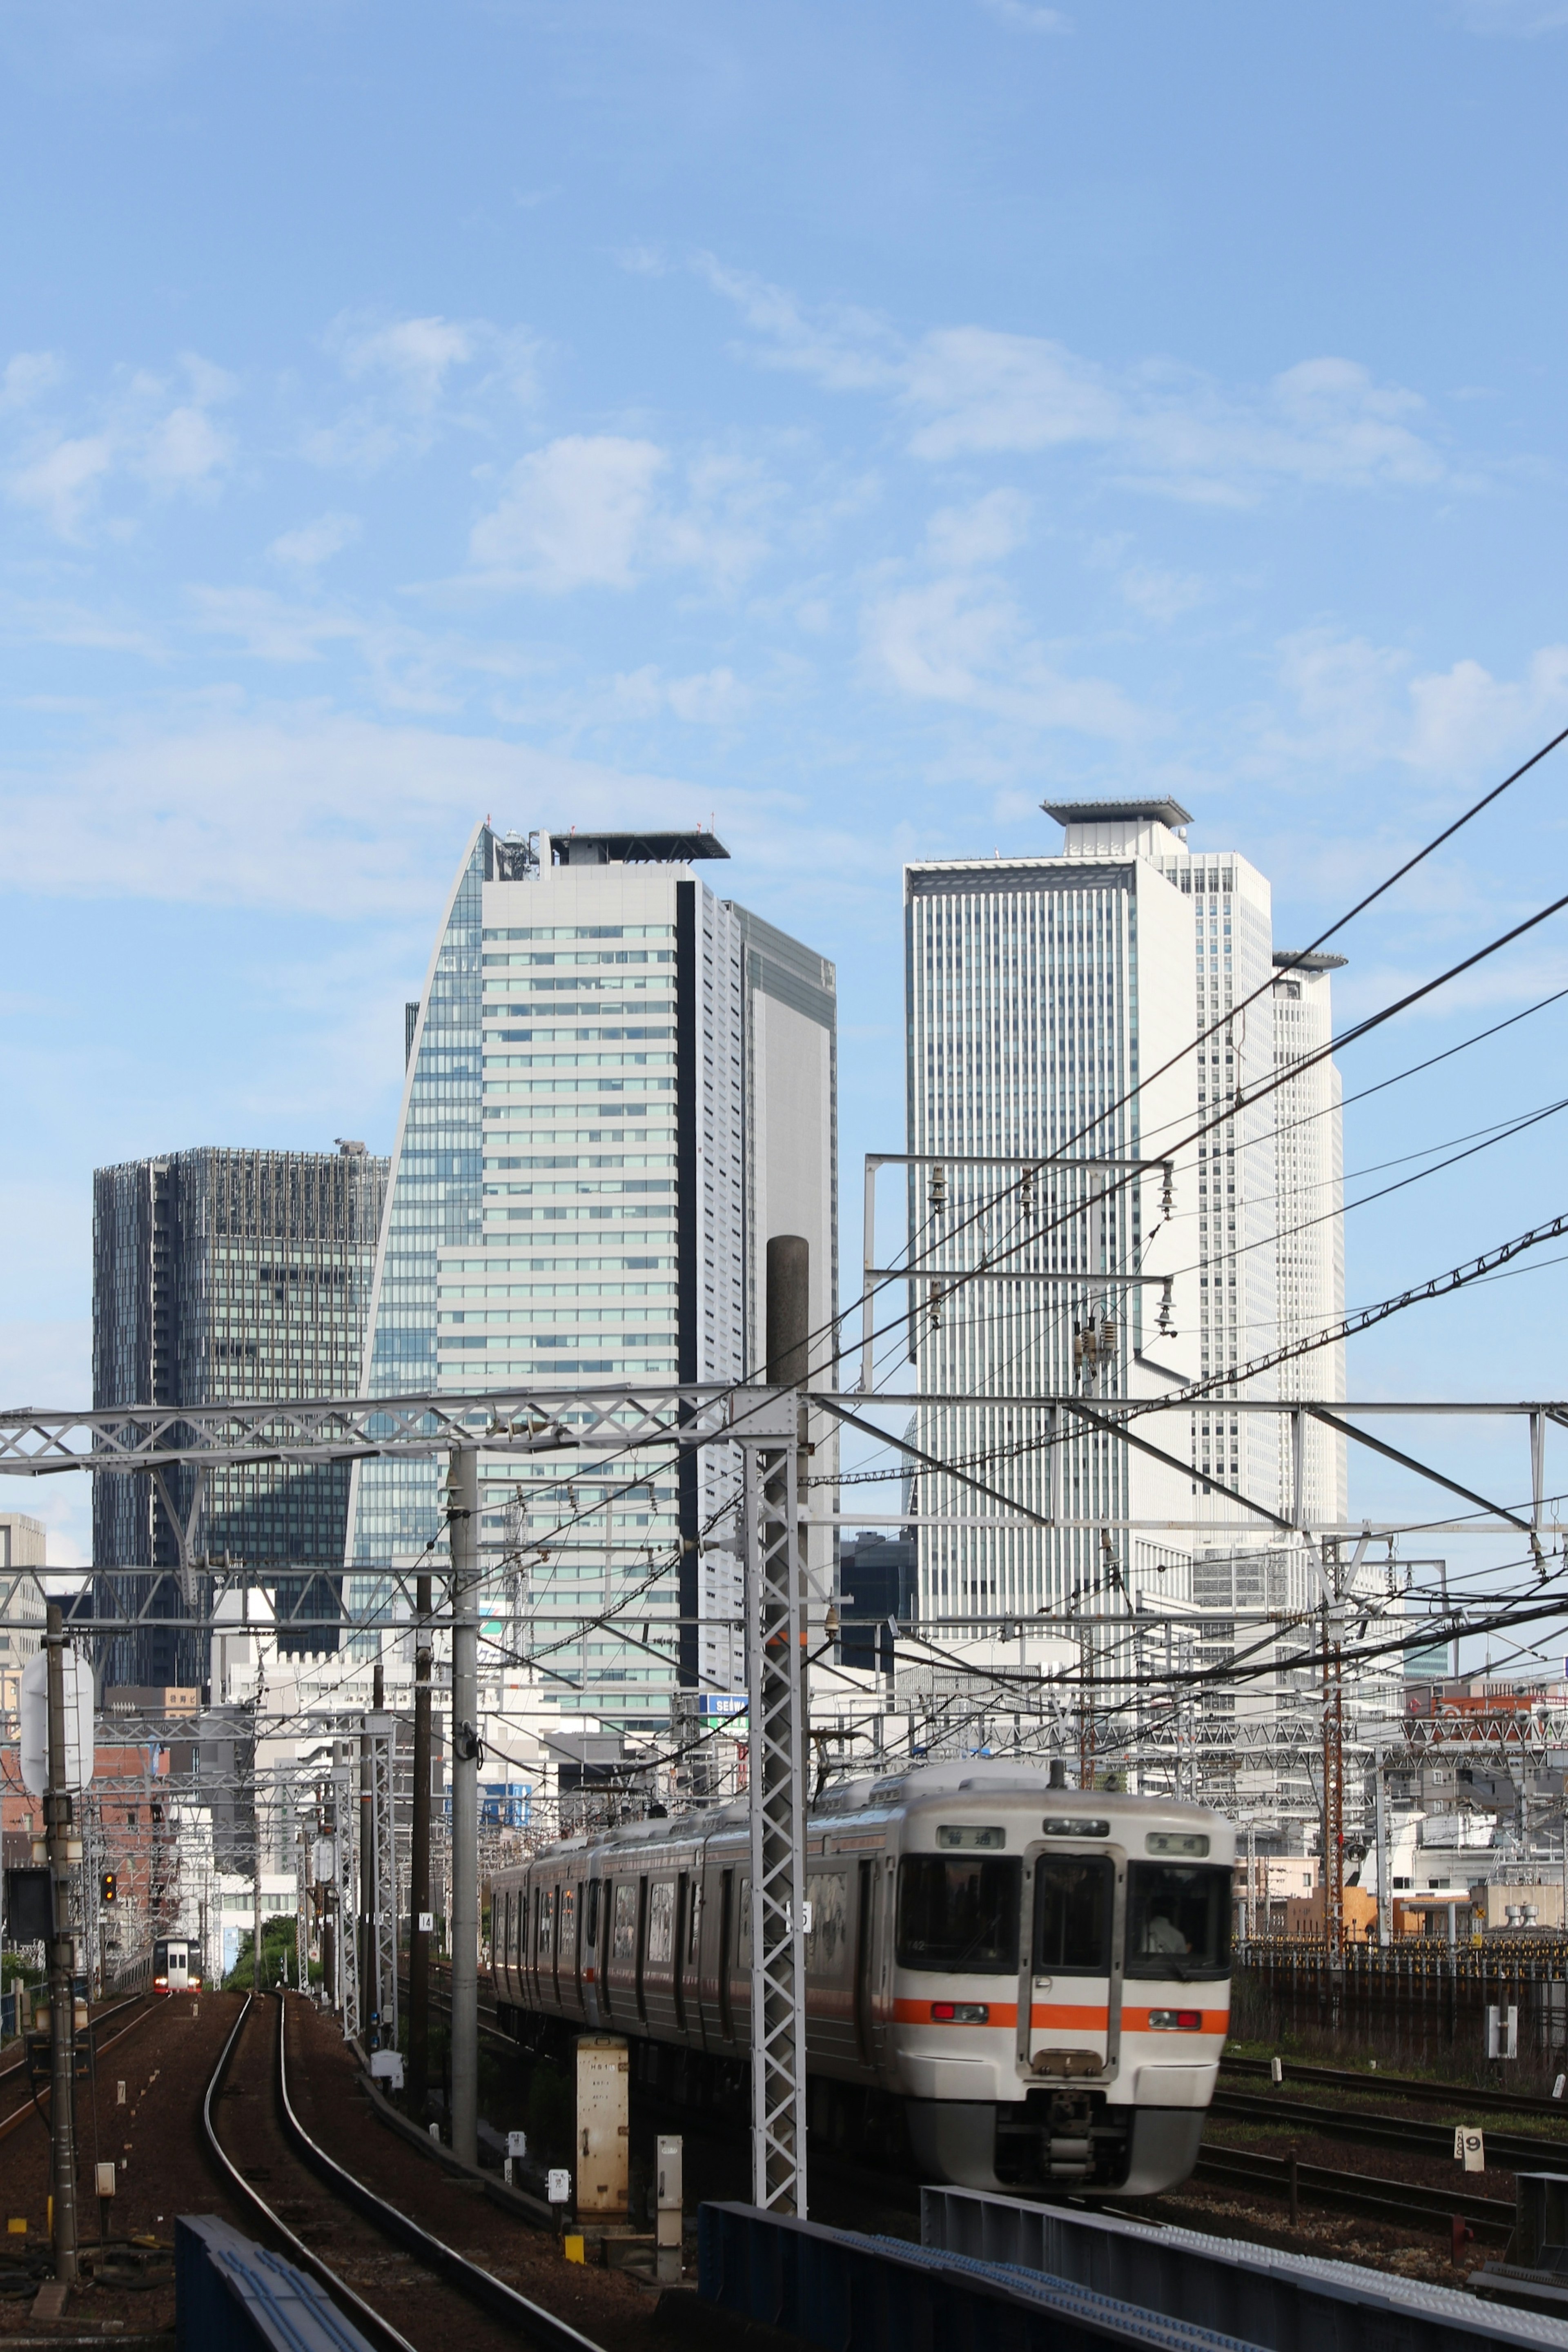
(1513, 2151)
(1483, 2100)
(1350, 2192)
(450, 2301)
(14, 2075)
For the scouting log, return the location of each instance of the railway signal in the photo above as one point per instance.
(108, 1886)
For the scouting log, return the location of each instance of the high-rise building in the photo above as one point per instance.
(1047, 997)
(226, 1274)
(620, 1085)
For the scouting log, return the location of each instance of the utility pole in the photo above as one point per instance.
(1333, 1765)
(62, 1989)
(463, 1521)
(419, 1863)
(369, 1942)
(789, 1366)
(767, 1425)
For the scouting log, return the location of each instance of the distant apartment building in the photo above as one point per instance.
(620, 1085)
(221, 1274)
(22, 1548)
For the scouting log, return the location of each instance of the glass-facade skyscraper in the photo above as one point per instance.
(228, 1274)
(618, 1086)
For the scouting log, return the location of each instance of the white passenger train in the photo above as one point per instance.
(1031, 1983)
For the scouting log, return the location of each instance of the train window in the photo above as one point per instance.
(546, 1923)
(514, 1928)
(693, 1923)
(1072, 1916)
(828, 1942)
(743, 1937)
(1178, 1920)
(568, 1938)
(591, 1918)
(624, 1923)
(661, 1922)
(961, 1916)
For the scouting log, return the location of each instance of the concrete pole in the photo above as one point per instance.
(463, 1535)
(1380, 1817)
(62, 1990)
(419, 1864)
(789, 1366)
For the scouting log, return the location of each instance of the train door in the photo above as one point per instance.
(568, 1978)
(865, 1954)
(179, 1973)
(1069, 2007)
(726, 1942)
(677, 1974)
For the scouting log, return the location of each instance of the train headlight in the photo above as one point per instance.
(960, 2012)
(1176, 2021)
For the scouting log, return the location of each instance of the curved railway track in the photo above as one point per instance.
(379, 2222)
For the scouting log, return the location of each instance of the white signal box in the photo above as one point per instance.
(603, 2127)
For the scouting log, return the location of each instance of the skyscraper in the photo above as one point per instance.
(1046, 996)
(226, 1273)
(618, 1086)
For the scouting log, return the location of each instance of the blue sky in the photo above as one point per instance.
(851, 423)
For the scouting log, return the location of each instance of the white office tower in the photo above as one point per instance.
(619, 1087)
(1045, 995)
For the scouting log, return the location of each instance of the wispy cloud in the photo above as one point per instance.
(593, 510)
(1023, 16)
(418, 377)
(965, 642)
(310, 544)
(972, 391)
(159, 431)
(1357, 705)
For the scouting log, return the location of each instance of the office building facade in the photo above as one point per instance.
(618, 1086)
(221, 1274)
(1045, 998)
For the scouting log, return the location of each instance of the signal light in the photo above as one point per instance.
(108, 1886)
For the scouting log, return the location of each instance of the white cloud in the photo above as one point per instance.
(63, 481)
(28, 377)
(418, 376)
(959, 538)
(587, 512)
(1026, 17)
(313, 543)
(573, 515)
(331, 816)
(140, 427)
(972, 390)
(950, 641)
(1357, 704)
(712, 698)
(1158, 595)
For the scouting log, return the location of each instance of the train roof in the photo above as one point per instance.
(966, 1776)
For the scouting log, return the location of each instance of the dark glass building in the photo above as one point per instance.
(226, 1274)
(878, 1580)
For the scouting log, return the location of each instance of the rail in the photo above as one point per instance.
(481, 2286)
(1403, 2086)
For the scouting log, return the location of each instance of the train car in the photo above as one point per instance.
(176, 1965)
(1029, 1983)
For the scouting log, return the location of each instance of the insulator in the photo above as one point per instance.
(1026, 1193)
(1108, 1338)
(1168, 1193)
(938, 1190)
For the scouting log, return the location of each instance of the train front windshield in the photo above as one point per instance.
(1178, 1920)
